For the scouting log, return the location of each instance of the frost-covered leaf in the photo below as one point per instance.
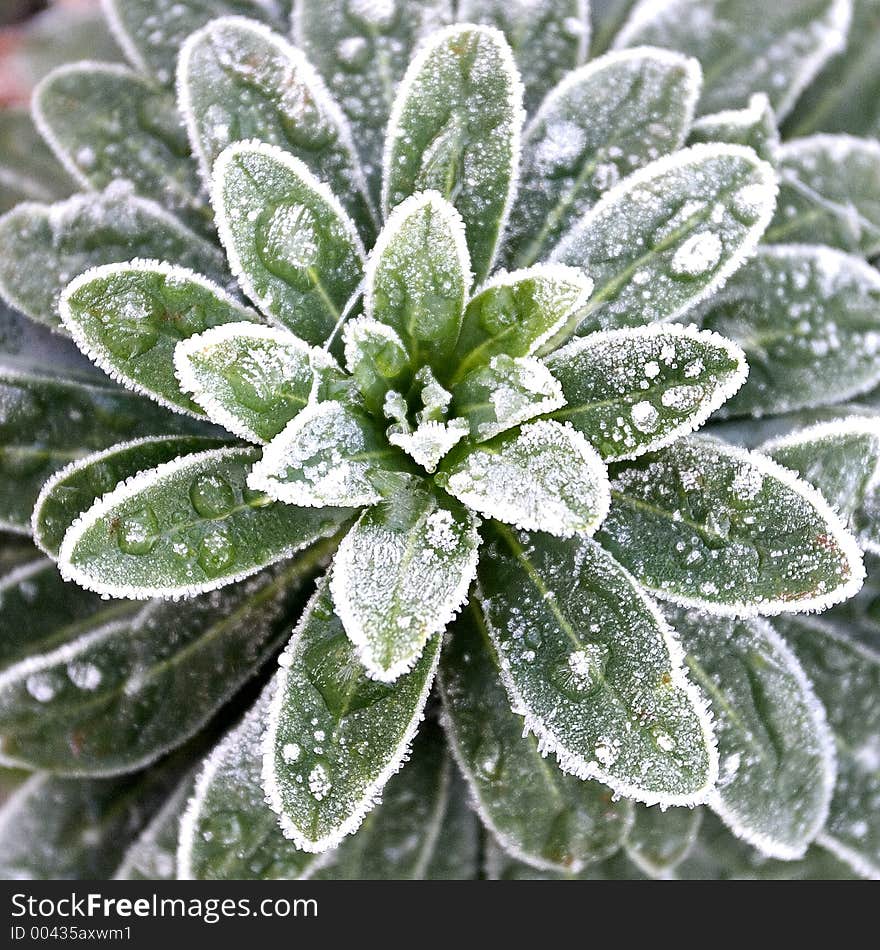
(186, 527)
(808, 319)
(503, 393)
(46, 246)
(251, 379)
(754, 126)
(539, 814)
(841, 458)
(846, 677)
(745, 46)
(228, 832)
(520, 313)
(128, 318)
(377, 359)
(659, 840)
(670, 234)
(93, 698)
(548, 37)
(77, 486)
(594, 668)
(455, 128)
(105, 123)
(28, 169)
(599, 125)
(237, 80)
(151, 32)
(335, 736)
(704, 524)
(291, 245)
(777, 765)
(456, 854)
(401, 838)
(498, 865)
(542, 477)
(47, 422)
(328, 454)
(362, 49)
(418, 275)
(153, 855)
(632, 391)
(400, 576)
(829, 193)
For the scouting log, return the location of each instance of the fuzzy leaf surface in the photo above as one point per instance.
(600, 124)
(670, 234)
(704, 524)
(596, 671)
(754, 126)
(632, 391)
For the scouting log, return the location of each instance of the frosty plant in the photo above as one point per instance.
(458, 370)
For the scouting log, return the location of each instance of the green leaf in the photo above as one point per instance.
(455, 128)
(30, 347)
(251, 379)
(418, 276)
(670, 234)
(402, 838)
(363, 49)
(153, 855)
(128, 318)
(151, 32)
(660, 840)
(808, 319)
(707, 525)
(46, 246)
(777, 765)
(28, 169)
(599, 125)
(227, 831)
(500, 866)
(224, 97)
(335, 736)
(754, 126)
(505, 392)
(94, 698)
(295, 251)
(77, 486)
(542, 477)
(635, 390)
(187, 527)
(846, 677)
(520, 314)
(538, 814)
(105, 122)
(400, 576)
(549, 37)
(840, 458)
(48, 422)
(456, 854)
(377, 359)
(598, 674)
(829, 193)
(329, 454)
(745, 46)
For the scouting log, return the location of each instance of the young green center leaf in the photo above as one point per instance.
(377, 359)
(249, 378)
(708, 525)
(295, 251)
(401, 574)
(599, 125)
(551, 820)
(237, 80)
(335, 736)
(670, 234)
(542, 477)
(185, 527)
(455, 129)
(596, 671)
(635, 390)
(777, 766)
(128, 318)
